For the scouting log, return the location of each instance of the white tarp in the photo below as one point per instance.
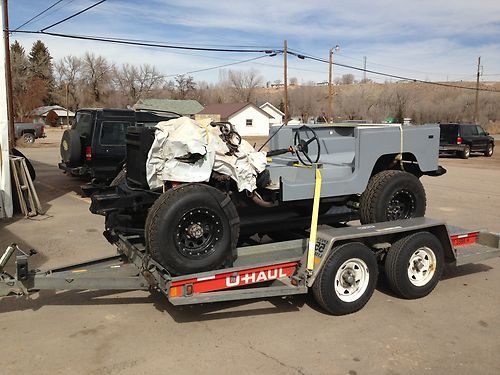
(176, 139)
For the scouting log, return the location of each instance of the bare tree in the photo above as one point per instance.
(137, 82)
(347, 79)
(68, 71)
(96, 75)
(184, 86)
(244, 84)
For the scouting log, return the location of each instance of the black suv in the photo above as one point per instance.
(462, 139)
(95, 144)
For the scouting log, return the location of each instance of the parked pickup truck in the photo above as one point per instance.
(29, 131)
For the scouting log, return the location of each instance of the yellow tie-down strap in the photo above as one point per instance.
(314, 222)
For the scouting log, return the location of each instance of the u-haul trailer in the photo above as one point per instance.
(342, 274)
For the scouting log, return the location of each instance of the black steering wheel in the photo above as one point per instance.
(302, 145)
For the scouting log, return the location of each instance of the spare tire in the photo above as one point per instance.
(192, 228)
(71, 148)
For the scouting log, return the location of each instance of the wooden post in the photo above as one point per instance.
(286, 82)
(67, 105)
(8, 75)
(476, 102)
(330, 89)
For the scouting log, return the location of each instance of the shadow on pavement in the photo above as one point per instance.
(192, 313)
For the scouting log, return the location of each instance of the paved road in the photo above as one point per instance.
(455, 330)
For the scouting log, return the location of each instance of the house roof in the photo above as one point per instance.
(226, 110)
(182, 107)
(41, 111)
(267, 104)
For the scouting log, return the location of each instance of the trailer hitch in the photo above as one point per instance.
(8, 283)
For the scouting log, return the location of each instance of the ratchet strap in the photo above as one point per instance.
(399, 157)
(314, 221)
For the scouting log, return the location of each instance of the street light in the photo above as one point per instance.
(330, 87)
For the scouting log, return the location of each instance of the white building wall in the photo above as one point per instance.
(260, 122)
(5, 188)
(276, 119)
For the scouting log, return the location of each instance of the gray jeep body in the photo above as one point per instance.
(349, 156)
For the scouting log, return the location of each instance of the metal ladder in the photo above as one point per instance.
(28, 198)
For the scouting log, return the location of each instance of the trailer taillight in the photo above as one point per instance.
(459, 140)
(88, 153)
(464, 239)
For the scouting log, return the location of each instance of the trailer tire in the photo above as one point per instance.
(392, 195)
(414, 265)
(192, 228)
(333, 288)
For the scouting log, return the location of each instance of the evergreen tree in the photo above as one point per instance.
(20, 81)
(40, 67)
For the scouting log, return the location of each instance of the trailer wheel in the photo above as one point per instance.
(192, 228)
(392, 195)
(347, 280)
(414, 265)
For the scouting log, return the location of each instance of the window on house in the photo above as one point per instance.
(249, 122)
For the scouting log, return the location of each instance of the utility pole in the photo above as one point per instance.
(67, 105)
(8, 75)
(364, 69)
(476, 103)
(330, 84)
(286, 82)
(330, 88)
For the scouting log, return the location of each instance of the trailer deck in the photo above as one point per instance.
(264, 270)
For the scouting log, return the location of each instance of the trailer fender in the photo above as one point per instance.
(382, 234)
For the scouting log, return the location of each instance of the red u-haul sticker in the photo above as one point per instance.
(227, 280)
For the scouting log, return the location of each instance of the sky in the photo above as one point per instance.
(437, 40)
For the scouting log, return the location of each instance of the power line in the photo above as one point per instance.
(342, 55)
(217, 67)
(143, 44)
(38, 15)
(74, 15)
(189, 44)
(68, 2)
(304, 56)
(269, 52)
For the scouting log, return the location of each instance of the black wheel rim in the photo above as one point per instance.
(401, 205)
(198, 231)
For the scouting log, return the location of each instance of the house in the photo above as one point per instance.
(276, 115)
(183, 107)
(52, 115)
(248, 119)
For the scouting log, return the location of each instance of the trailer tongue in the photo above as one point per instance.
(342, 278)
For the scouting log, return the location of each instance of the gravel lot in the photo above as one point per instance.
(454, 330)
